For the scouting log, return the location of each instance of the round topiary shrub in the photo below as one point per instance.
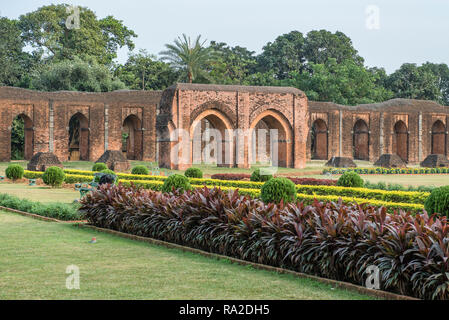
(259, 176)
(278, 189)
(438, 201)
(194, 173)
(14, 172)
(176, 182)
(350, 179)
(53, 176)
(99, 166)
(140, 170)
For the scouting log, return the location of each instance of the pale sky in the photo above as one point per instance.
(413, 31)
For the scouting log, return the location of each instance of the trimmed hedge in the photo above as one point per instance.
(363, 193)
(438, 201)
(278, 190)
(14, 172)
(328, 240)
(53, 176)
(140, 170)
(194, 173)
(61, 211)
(350, 179)
(176, 182)
(99, 166)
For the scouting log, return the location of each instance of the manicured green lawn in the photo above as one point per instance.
(39, 193)
(35, 254)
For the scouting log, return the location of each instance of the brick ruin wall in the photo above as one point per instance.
(411, 128)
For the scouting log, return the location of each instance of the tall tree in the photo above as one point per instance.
(345, 83)
(13, 61)
(187, 57)
(413, 82)
(46, 31)
(284, 55)
(76, 75)
(230, 65)
(321, 45)
(143, 71)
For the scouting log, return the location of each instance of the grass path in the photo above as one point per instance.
(39, 193)
(35, 254)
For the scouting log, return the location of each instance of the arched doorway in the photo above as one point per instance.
(211, 136)
(273, 135)
(132, 138)
(400, 140)
(361, 140)
(78, 138)
(22, 135)
(438, 138)
(319, 140)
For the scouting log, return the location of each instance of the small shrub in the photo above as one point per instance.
(177, 182)
(194, 173)
(350, 179)
(107, 179)
(140, 170)
(14, 172)
(438, 201)
(277, 190)
(99, 166)
(53, 176)
(259, 176)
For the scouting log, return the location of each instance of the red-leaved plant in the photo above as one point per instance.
(330, 240)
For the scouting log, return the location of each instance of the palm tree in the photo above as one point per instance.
(186, 57)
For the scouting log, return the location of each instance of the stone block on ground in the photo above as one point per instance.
(390, 161)
(43, 160)
(115, 160)
(435, 161)
(341, 162)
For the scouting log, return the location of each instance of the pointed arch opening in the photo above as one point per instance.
(78, 143)
(271, 140)
(438, 138)
(361, 140)
(132, 138)
(22, 138)
(212, 140)
(319, 140)
(400, 140)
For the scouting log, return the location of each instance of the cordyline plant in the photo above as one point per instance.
(330, 240)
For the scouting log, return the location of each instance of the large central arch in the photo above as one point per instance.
(278, 137)
(212, 141)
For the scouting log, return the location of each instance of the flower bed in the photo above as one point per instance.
(388, 170)
(328, 240)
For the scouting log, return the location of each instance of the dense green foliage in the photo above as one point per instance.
(14, 172)
(140, 170)
(53, 176)
(99, 166)
(438, 201)
(329, 240)
(324, 64)
(350, 179)
(278, 189)
(176, 182)
(60, 211)
(194, 173)
(259, 175)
